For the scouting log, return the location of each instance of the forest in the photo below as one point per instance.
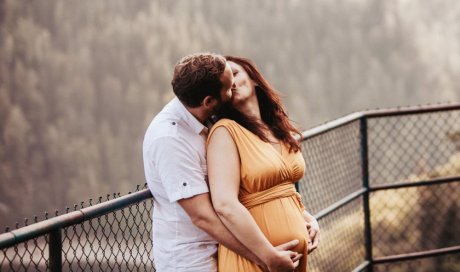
(81, 80)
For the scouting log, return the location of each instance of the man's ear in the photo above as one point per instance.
(209, 101)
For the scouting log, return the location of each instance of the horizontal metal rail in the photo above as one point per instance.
(361, 266)
(414, 184)
(45, 227)
(374, 114)
(310, 133)
(411, 110)
(342, 202)
(418, 255)
(409, 256)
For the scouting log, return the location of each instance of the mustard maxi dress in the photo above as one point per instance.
(267, 191)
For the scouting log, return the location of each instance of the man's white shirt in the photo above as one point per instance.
(175, 168)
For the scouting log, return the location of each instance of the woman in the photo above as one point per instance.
(253, 162)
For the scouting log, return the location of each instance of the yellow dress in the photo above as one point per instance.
(267, 191)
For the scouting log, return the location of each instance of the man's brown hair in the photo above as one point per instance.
(197, 76)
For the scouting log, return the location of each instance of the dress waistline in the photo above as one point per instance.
(285, 189)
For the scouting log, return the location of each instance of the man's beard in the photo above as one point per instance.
(221, 109)
(221, 106)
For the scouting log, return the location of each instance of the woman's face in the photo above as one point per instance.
(243, 86)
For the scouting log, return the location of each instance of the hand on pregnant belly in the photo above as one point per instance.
(281, 222)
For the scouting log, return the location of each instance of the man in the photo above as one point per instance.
(186, 228)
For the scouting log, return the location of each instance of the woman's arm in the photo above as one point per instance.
(224, 181)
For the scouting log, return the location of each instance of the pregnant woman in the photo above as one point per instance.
(253, 161)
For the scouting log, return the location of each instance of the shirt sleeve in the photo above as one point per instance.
(179, 168)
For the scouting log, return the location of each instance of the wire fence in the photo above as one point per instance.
(115, 237)
(384, 185)
(333, 172)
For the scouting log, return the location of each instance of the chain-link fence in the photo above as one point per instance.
(333, 172)
(384, 185)
(420, 153)
(110, 236)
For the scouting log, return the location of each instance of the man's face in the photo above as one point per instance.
(226, 92)
(227, 82)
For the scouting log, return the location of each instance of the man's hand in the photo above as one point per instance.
(284, 259)
(288, 246)
(285, 249)
(314, 233)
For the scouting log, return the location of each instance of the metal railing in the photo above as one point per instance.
(109, 236)
(385, 187)
(383, 184)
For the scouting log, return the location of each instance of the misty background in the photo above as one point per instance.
(81, 80)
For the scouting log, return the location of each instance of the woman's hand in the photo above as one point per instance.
(313, 231)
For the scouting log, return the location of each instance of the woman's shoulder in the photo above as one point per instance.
(225, 122)
(230, 125)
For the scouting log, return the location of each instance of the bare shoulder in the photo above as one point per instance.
(224, 122)
(220, 133)
(221, 138)
(223, 129)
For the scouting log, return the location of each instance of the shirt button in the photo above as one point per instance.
(185, 183)
(173, 123)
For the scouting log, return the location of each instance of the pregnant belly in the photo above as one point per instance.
(281, 221)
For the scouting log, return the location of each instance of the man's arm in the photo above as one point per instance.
(202, 214)
(183, 180)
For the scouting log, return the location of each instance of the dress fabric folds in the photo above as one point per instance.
(267, 191)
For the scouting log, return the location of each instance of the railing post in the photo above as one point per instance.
(55, 250)
(366, 208)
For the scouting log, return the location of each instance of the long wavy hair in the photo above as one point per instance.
(271, 109)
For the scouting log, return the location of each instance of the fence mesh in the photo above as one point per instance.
(32, 255)
(414, 147)
(342, 240)
(333, 171)
(415, 219)
(405, 148)
(333, 167)
(119, 241)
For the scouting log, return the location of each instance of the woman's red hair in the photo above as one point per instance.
(271, 109)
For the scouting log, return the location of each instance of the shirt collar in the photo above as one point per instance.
(189, 119)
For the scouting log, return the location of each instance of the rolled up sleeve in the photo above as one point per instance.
(179, 168)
